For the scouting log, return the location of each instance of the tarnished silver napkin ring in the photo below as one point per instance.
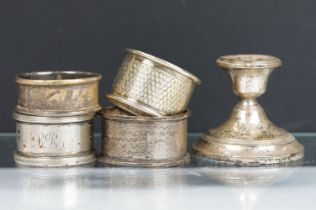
(58, 93)
(54, 141)
(142, 140)
(147, 85)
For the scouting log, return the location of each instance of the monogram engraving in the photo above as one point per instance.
(49, 140)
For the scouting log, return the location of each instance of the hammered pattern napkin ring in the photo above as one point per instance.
(147, 85)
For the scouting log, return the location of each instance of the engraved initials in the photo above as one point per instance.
(48, 140)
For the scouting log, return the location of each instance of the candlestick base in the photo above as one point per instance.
(248, 137)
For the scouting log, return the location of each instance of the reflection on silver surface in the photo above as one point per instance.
(69, 188)
(177, 188)
(249, 184)
(41, 188)
(141, 179)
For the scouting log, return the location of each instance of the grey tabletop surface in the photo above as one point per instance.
(196, 186)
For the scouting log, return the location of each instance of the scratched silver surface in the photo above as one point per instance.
(54, 139)
(51, 142)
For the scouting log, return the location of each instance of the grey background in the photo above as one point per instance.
(91, 35)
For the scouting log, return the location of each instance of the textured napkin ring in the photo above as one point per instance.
(59, 93)
(54, 141)
(147, 85)
(143, 140)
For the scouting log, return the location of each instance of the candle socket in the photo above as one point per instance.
(248, 137)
